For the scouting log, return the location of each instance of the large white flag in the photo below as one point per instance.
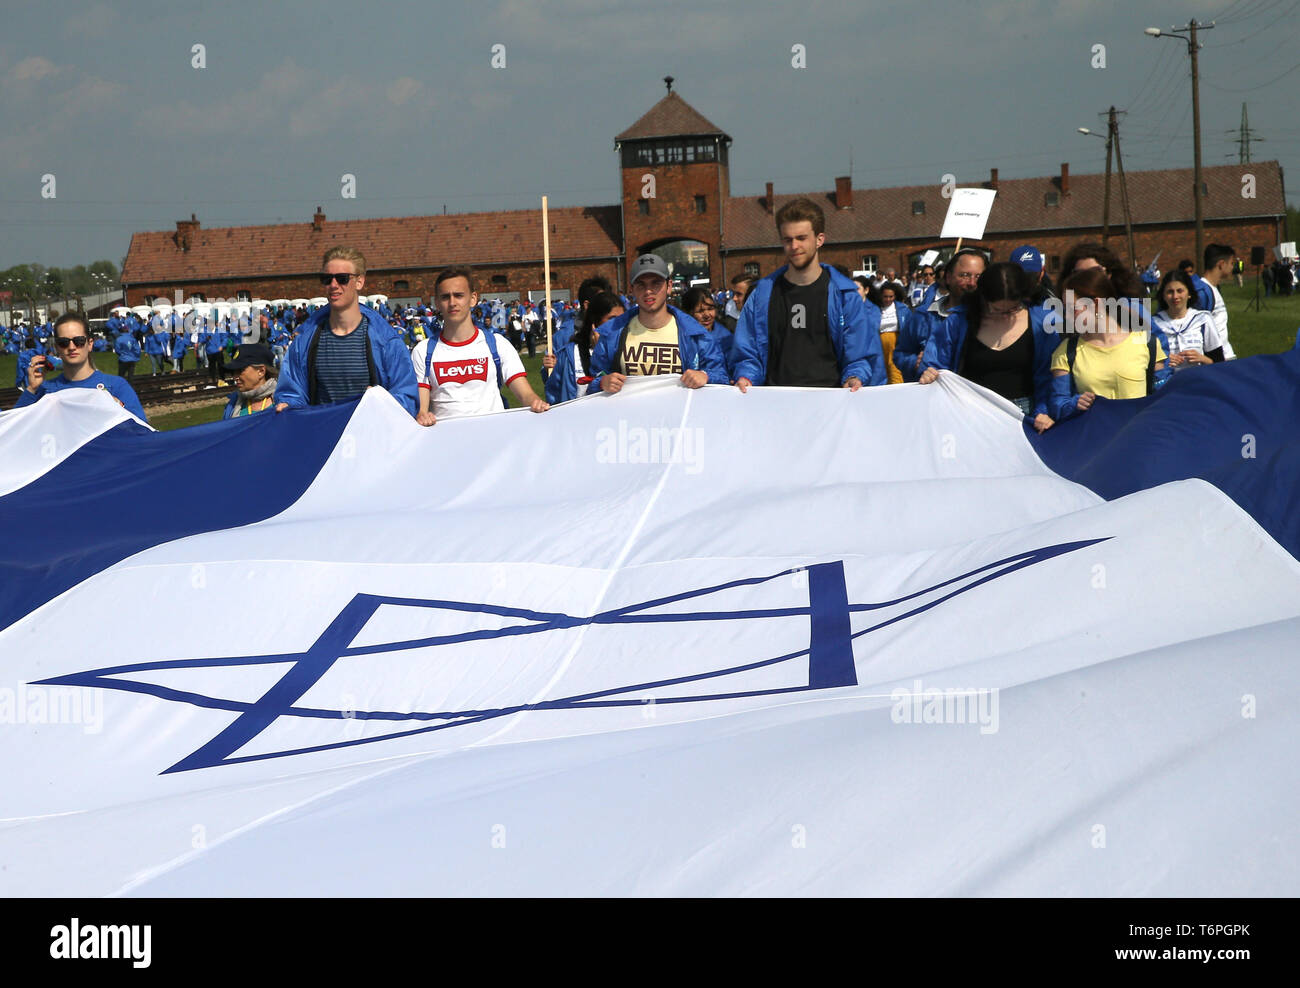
(665, 642)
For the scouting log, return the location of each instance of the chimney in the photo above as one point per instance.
(844, 192)
(767, 202)
(185, 231)
(1065, 178)
(317, 221)
(993, 178)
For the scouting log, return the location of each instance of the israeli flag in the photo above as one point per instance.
(793, 641)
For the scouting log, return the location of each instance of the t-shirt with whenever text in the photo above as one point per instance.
(464, 379)
(648, 352)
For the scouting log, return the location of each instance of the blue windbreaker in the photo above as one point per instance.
(912, 337)
(698, 348)
(854, 330)
(392, 361)
(127, 349)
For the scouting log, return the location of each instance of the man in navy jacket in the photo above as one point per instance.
(805, 325)
(343, 349)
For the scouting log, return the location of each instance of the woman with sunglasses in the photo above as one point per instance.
(72, 342)
(997, 340)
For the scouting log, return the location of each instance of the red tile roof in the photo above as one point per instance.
(672, 116)
(1155, 197)
(396, 243)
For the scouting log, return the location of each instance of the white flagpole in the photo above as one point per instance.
(546, 262)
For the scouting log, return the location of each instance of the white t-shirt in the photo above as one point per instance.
(1220, 314)
(465, 382)
(889, 319)
(1195, 331)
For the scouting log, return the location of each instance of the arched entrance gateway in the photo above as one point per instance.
(688, 261)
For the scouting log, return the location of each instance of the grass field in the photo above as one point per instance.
(1271, 330)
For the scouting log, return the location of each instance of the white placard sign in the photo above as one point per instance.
(929, 257)
(967, 213)
(1286, 251)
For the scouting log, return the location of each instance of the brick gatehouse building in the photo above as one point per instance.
(677, 200)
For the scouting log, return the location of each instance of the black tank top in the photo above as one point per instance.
(1008, 372)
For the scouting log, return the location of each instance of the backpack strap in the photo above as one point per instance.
(489, 337)
(1071, 348)
(1151, 363)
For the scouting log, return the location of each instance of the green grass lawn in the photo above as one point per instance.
(1271, 330)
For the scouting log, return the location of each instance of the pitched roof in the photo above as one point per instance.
(396, 243)
(672, 116)
(1162, 196)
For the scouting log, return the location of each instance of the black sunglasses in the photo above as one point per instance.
(63, 342)
(342, 279)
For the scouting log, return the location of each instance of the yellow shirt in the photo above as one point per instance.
(651, 351)
(1118, 371)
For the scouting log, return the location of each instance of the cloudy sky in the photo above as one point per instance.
(404, 95)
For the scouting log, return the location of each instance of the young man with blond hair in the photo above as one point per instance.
(343, 349)
(462, 370)
(805, 325)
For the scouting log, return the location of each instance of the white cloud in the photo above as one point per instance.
(402, 90)
(32, 68)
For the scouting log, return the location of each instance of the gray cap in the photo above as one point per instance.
(648, 264)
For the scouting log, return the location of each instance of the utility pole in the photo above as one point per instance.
(1105, 207)
(1123, 188)
(1193, 48)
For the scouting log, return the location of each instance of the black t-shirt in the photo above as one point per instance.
(799, 349)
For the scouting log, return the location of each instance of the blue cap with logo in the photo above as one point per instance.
(1028, 258)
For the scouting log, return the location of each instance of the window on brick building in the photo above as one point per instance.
(401, 286)
(500, 279)
(643, 207)
(676, 154)
(1052, 198)
(918, 207)
(1053, 263)
(870, 262)
(751, 270)
(244, 296)
(701, 205)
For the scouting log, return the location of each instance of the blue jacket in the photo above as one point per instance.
(946, 350)
(854, 330)
(115, 386)
(127, 349)
(1204, 297)
(153, 343)
(698, 348)
(904, 314)
(389, 358)
(914, 335)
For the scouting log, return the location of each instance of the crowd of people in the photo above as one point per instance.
(808, 324)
